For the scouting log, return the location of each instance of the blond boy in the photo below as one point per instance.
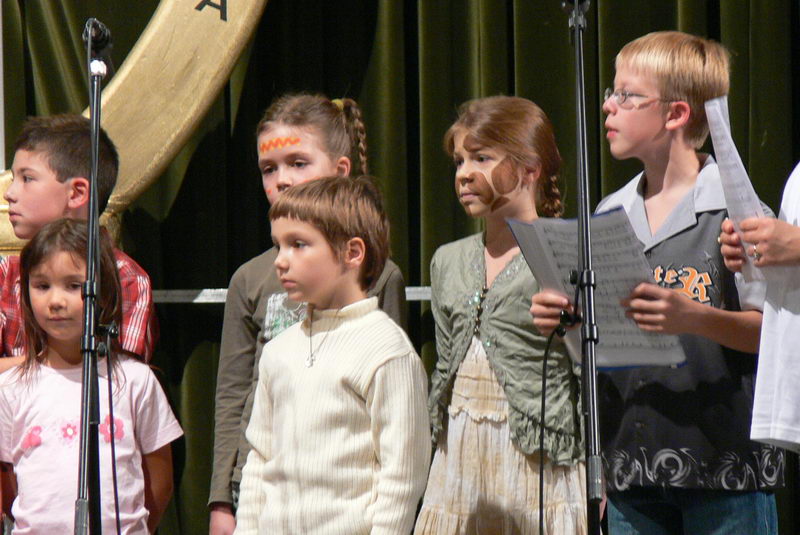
(676, 442)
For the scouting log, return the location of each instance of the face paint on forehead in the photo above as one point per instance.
(277, 143)
(505, 177)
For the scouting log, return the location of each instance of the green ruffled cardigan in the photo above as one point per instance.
(514, 348)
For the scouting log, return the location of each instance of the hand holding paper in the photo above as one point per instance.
(550, 247)
(660, 310)
(731, 247)
(546, 308)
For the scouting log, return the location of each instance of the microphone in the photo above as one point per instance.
(567, 320)
(98, 36)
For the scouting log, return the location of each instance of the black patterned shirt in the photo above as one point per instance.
(687, 427)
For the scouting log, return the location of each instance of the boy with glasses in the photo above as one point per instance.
(676, 441)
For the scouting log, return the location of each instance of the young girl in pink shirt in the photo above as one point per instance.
(40, 401)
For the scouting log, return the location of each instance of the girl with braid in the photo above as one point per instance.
(486, 386)
(301, 137)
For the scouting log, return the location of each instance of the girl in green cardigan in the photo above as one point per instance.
(485, 389)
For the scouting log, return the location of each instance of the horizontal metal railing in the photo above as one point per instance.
(218, 295)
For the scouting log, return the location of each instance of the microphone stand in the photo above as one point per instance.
(87, 505)
(586, 280)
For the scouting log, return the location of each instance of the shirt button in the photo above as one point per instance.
(641, 382)
(639, 425)
(648, 254)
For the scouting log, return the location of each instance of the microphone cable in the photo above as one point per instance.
(566, 320)
(112, 425)
(541, 431)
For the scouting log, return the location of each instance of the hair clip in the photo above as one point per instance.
(339, 103)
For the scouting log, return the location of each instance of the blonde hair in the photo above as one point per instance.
(339, 123)
(684, 67)
(522, 129)
(342, 208)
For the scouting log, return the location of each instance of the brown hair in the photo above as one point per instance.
(65, 141)
(342, 208)
(522, 129)
(684, 67)
(67, 235)
(339, 123)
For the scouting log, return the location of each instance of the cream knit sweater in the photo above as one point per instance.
(343, 446)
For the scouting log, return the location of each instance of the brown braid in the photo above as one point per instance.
(341, 129)
(358, 133)
(549, 197)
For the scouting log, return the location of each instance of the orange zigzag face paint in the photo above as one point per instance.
(277, 143)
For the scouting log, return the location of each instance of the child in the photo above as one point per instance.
(40, 401)
(300, 138)
(50, 180)
(339, 432)
(675, 441)
(486, 386)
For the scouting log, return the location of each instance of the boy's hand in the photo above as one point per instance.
(223, 521)
(776, 242)
(731, 247)
(660, 310)
(546, 307)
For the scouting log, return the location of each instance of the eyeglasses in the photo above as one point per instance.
(623, 99)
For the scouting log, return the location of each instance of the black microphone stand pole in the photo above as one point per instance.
(586, 280)
(87, 505)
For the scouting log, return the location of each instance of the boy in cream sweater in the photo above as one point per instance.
(339, 430)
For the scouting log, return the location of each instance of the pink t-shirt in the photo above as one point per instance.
(40, 436)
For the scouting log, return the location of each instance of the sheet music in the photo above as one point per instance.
(550, 247)
(740, 197)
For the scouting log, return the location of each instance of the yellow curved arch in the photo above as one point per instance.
(161, 92)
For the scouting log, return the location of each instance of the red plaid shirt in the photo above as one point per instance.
(139, 331)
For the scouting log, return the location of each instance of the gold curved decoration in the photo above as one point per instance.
(162, 91)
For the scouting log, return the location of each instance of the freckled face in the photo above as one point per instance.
(486, 177)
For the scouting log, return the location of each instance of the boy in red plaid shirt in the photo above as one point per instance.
(50, 181)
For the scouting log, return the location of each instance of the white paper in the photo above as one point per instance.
(550, 247)
(740, 197)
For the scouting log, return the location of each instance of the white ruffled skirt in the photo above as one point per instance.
(480, 482)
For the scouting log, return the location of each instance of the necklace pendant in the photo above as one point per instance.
(309, 361)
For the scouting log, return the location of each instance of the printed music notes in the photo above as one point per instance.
(550, 247)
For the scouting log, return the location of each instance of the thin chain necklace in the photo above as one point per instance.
(312, 355)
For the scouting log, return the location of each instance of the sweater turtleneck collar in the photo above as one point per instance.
(325, 319)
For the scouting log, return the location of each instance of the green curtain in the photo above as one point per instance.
(409, 65)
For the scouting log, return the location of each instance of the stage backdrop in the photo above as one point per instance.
(409, 65)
